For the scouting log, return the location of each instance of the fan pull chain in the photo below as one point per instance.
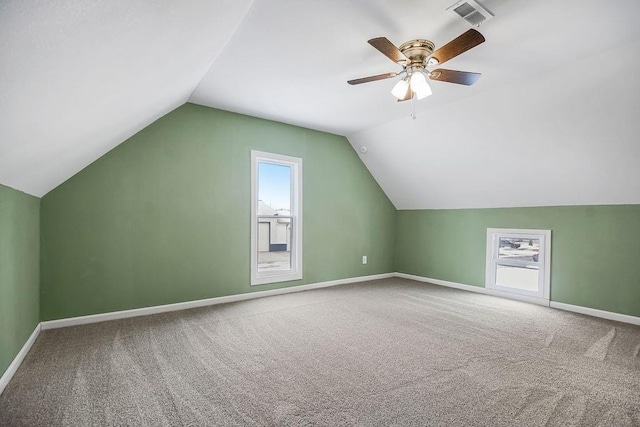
(413, 105)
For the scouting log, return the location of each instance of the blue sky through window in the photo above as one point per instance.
(274, 185)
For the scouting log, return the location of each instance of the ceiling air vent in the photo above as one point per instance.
(470, 11)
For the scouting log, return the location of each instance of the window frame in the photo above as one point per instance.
(544, 261)
(262, 278)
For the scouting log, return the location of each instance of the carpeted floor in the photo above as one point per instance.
(389, 352)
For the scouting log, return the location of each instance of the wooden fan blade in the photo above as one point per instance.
(460, 44)
(453, 76)
(372, 78)
(388, 49)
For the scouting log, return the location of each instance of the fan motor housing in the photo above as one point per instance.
(417, 50)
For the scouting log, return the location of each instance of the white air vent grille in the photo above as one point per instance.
(470, 11)
(464, 9)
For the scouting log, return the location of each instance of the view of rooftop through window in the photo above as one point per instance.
(274, 223)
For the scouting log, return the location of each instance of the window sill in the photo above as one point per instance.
(275, 278)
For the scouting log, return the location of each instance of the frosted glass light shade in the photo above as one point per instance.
(419, 85)
(400, 89)
(423, 91)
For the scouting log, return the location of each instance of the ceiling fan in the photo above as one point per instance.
(415, 56)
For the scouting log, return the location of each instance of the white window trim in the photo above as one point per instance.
(261, 278)
(544, 262)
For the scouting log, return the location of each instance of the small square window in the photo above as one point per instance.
(518, 261)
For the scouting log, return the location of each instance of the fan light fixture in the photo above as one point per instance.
(417, 83)
(415, 56)
(400, 89)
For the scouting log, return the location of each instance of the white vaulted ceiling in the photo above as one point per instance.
(79, 77)
(552, 121)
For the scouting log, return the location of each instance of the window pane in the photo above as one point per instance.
(274, 244)
(517, 249)
(274, 189)
(276, 227)
(517, 277)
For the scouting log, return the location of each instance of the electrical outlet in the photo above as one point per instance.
(364, 259)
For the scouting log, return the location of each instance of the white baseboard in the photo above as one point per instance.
(82, 320)
(523, 298)
(476, 289)
(469, 288)
(94, 318)
(624, 318)
(13, 367)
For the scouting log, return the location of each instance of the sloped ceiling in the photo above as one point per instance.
(553, 120)
(79, 77)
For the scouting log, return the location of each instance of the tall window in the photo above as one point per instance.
(276, 218)
(518, 261)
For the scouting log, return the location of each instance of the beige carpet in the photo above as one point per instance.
(389, 352)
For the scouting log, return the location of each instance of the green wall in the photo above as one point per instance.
(19, 271)
(594, 258)
(164, 217)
